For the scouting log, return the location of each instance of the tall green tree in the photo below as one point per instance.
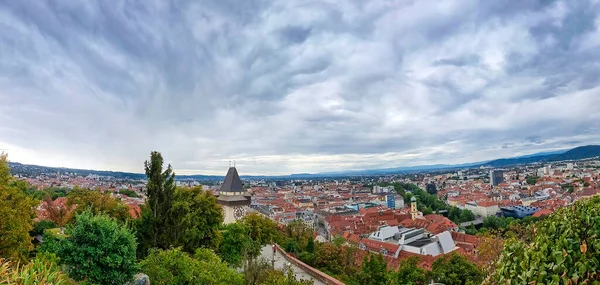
(154, 223)
(98, 249)
(373, 270)
(237, 244)
(196, 218)
(16, 216)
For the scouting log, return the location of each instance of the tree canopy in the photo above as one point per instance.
(373, 270)
(174, 267)
(16, 216)
(455, 269)
(196, 219)
(97, 203)
(154, 223)
(98, 249)
(238, 244)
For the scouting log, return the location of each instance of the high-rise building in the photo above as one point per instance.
(496, 177)
(390, 201)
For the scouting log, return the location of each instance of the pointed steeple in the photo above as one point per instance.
(232, 182)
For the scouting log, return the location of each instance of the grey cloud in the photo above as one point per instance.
(284, 86)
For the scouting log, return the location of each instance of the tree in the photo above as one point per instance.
(262, 229)
(16, 216)
(173, 267)
(564, 249)
(58, 214)
(98, 249)
(237, 244)
(373, 270)
(215, 270)
(466, 216)
(41, 226)
(277, 277)
(431, 188)
(409, 273)
(154, 224)
(166, 267)
(455, 269)
(97, 203)
(257, 271)
(488, 252)
(531, 180)
(196, 218)
(128, 193)
(299, 232)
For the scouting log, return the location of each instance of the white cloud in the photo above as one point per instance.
(287, 86)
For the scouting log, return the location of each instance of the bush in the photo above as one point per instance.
(173, 267)
(98, 249)
(128, 193)
(564, 249)
(42, 225)
(39, 271)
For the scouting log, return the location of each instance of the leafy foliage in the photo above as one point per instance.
(260, 271)
(98, 203)
(16, 216)
(455, 269)
(373, 270)
(173, 267)
(128, 193)
(431, 188)
(337, 260)
(196, 219)
(39, 271)
(57, 214)
(409, 273)
(41, 226)
(531, 180)
(154, 224)
(564, 249)
(98, 249)
(238, 244)
(262, 229)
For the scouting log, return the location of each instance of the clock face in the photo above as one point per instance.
(238, 212)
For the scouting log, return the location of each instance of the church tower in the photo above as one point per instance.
(413, 208)
(233, 198)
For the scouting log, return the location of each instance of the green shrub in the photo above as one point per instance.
(40, 271)
(565, 249)
(99, 249)
(173, 267)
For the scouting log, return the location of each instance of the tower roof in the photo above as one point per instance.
(413, 199)
(232, 182)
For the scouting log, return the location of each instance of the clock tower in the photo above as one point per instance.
(233, 198)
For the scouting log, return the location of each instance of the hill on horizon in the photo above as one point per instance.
(582, 152)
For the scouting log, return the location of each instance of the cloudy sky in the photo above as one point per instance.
(295, 86)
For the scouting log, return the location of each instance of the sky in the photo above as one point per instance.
(295, 86)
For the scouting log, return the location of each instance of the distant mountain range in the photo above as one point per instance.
(577, 153)
(582, 152)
